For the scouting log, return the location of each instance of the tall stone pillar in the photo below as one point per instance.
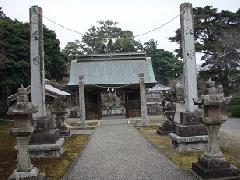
(190, 134)
(82, 102)
(37, 62)
(144, 117)
(189, 58)
(44, 141)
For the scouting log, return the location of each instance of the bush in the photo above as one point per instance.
(235, 110)
(234, 106)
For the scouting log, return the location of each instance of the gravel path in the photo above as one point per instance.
(118, 151)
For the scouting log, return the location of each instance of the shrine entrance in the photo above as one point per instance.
(109, 102)
(113, 101)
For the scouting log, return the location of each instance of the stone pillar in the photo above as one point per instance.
(213, 148)
(45, 141)
(190, 134)
(212, 164)
(189, 58)
(144, 117)
(22, 130)
(24, 163)
(82, 102)
(37, 62)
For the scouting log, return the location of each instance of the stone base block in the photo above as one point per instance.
(47, 150)
(215, 168)
(190, 130)
(64, 133)
(193, 143)
(46, 137)
(190, 118)
(34, 174)
(166, 128)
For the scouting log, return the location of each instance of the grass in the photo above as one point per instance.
(151, 125)
(8, 155)
(232, 156)
(183, 159)
(56, 168)
(90, 125)
(53, 168)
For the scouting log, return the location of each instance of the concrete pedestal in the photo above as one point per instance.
(46, 144)
(47, 150)
(192, 143)
(33, 174)
(189, 134)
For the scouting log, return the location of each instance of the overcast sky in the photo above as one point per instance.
(138, 16)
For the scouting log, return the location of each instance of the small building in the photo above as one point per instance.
(111, 83)
(154, 98)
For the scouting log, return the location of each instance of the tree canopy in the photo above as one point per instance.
(107, 37)
(15, 55)
(217, 36)
(165, 64)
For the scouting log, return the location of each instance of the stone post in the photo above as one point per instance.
(190, 134)
(45, 141)
(144, 117)
(22, 130)
(37, 63)
(82, 102)
(212, 164)
(189, 59)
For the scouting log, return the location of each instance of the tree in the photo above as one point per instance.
(165, 64)
(15, 56)
(2, 15)
(105, 38)
(72, 50)
(55, 63)
(217, 37)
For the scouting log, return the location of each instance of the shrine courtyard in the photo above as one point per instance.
(119, 148)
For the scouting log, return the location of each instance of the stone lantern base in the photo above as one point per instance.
(220, 168)
(34, 174)
(212, 164)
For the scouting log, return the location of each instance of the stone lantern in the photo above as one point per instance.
(212, 164)
(22, 130)
(59, 115)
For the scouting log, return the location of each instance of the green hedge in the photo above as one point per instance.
(234, 106)
(235, 110)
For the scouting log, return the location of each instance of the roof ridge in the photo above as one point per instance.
(112, 55)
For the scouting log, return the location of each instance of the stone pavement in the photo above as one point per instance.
(117, 151)
(231, 127)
